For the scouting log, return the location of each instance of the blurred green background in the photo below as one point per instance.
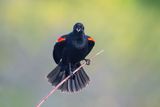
(127, 74)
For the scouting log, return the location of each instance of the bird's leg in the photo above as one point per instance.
(70, 71)
(88, 61)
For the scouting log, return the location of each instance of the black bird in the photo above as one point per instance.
(68, 51)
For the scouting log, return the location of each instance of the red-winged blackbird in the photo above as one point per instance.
(68, 51)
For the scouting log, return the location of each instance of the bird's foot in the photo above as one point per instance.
(88, 61)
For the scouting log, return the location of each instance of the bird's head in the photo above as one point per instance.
(78, 28)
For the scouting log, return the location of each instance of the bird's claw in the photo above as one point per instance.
(88, 61)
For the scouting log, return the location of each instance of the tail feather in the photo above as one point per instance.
(61, 79)
(77, 83)
(84, 75)
(65, 86)
(53, 75)
(71, 85)
(83, 80)
(79, 80)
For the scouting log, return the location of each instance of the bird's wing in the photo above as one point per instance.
(91, 43)
(58, 49)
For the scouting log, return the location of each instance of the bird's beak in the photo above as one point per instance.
(78, 29)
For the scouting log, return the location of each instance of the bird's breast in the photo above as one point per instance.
(76, 49)
(79, 43)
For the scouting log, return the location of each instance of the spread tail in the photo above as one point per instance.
(77, 81)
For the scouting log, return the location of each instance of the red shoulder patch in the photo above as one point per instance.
(91, 39)
(61, 39)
